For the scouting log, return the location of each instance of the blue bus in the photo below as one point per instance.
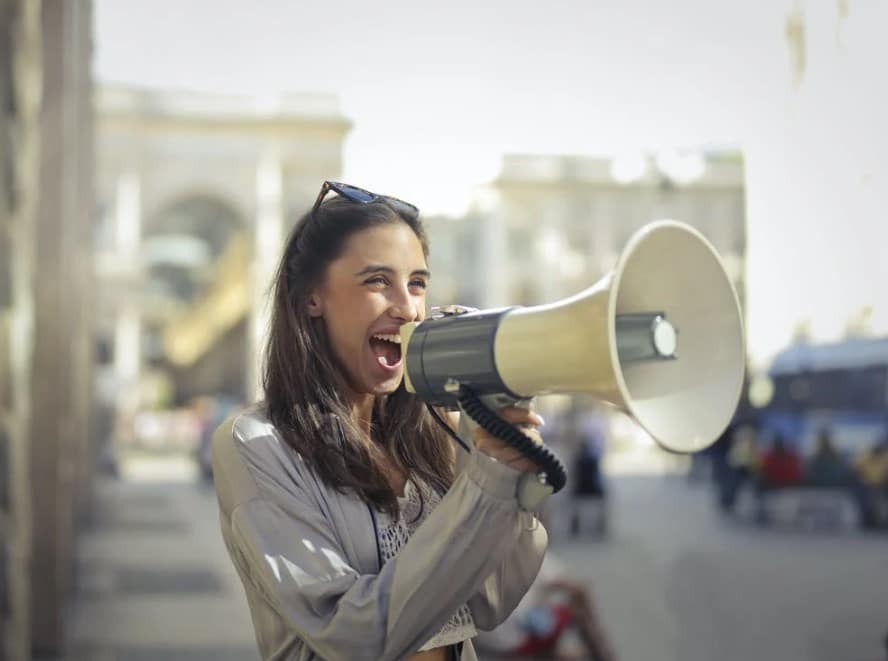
(841, 387)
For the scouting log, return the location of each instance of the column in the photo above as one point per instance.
(266, 255)
(128, 324)
(494, 270)
(58, 422)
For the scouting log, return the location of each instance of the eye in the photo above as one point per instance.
(376, 280)
(422, 284)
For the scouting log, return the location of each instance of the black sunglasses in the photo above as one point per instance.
(361, 196)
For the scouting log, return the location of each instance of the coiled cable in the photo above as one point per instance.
(548, 461)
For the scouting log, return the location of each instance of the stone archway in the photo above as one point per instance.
(195, 254)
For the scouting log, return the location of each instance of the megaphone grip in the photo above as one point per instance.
(547, 460)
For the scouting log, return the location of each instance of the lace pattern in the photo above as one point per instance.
(392, 535)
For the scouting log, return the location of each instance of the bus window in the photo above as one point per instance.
(860, 390)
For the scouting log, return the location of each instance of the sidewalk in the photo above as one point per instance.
(153, 579)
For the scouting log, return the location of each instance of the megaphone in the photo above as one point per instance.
(660, 338)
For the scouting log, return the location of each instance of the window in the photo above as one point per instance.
(859, 390)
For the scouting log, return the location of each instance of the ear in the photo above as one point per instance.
(315, 307)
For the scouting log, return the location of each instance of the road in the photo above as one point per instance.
(675, 580)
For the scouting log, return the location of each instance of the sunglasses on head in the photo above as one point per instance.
(361, 196)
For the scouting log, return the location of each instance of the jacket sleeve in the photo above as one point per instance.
(500, 593)
(294, 558)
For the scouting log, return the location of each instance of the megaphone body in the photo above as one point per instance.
(660, 337)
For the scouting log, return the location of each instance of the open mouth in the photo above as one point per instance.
(387, 349)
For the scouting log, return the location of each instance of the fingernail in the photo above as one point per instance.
(540, 418)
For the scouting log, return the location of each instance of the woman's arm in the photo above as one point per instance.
(290, 554)
(503, 589)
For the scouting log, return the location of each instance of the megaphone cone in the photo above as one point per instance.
(667, 271)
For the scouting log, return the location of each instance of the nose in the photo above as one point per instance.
(404, 308)
(404, 312)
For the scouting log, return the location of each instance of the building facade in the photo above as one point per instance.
(46, 210)
(196, 193)
(551, 226)
(560, 222)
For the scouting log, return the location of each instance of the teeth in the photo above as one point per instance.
(388, 338)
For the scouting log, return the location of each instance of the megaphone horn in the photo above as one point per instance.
(660, 337)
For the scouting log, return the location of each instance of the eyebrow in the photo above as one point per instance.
(376, 268)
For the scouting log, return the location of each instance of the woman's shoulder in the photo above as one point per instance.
(251, 434)
(250, 455)
(247, 430)
(251, 424)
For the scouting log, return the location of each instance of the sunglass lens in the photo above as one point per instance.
(355, 194)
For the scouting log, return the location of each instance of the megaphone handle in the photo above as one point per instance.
(532, 488)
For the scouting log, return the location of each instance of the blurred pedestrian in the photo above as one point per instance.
(589, 489)
(209, 412)
(826, 468)
(780, 467)
(106, 421)
(741, 463)
(871, 485)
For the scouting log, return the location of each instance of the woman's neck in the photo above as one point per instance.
(362, 412)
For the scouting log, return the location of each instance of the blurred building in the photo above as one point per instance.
(46, 211)
(559, 223)
(456, 258)
(196, 193)
(550, 226)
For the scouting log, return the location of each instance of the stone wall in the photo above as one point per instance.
(46, 207)
(20, 70)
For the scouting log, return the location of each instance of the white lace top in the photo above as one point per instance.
(392, 535)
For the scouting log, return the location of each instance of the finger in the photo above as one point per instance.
(497, 449)
(518, 460)
(532, 434)
(517, 415)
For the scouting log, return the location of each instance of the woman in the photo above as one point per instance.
(358, 529)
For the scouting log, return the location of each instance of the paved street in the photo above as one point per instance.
(155, 582)
(672, 582)
(676, 582)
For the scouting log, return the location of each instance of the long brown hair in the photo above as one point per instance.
(305, 387)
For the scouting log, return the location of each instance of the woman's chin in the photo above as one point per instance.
(388, 386)
(375, 384)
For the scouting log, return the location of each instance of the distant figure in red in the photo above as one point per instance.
(780, 467)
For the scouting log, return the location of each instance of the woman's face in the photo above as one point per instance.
(376, 285)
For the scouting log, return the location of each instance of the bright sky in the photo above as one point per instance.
(439, 92)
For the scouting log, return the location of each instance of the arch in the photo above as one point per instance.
(197, 249)
(205, 216)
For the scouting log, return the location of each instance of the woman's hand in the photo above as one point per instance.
(528, 422)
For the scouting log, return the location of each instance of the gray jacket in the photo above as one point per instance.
(308, 559)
